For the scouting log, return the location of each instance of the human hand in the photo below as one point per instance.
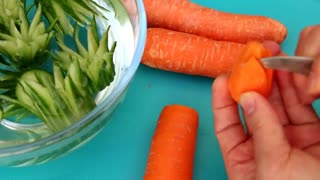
(308, 88)
(283, 136)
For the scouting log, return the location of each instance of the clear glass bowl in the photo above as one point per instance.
(29, 144)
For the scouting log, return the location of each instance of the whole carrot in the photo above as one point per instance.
(189, 54)
(186, 16)
(173, 144)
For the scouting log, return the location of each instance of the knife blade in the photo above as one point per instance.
(296, 64)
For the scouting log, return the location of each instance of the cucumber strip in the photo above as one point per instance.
(58, 77)
(39, 30)
(71, 93)
(113, 46)
(52, 25)
(92, 4)
(92, 35)
(95, 73)
(77, 12)
(77, 77)
(23, 52)
(66, 49)
(35, 21)
(103, 44)
(60, 109)
(61, 59)
(92, 41)
(19, 115)
(24, 25)
(81, 49)
(18, 103)
(14, 32)
(41, 41)
(37, 92)
(45, 100)
(16, 111)
(6, 37)
(1, 113)
(57, 11)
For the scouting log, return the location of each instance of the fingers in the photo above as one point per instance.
(227, 124)
(297, 112)
(269, 139)
(275, 100)
(309, 45)
(305, 32)
(275, 96)
(309, 42)
(303, 136)
(314, 79)
(301, 85)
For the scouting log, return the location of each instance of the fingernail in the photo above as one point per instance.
(248, 103)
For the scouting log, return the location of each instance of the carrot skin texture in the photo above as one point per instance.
(189, 54)
(171, 154)
(189, 17)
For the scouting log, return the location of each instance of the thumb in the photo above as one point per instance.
(270, 142)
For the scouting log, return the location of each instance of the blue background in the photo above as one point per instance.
(120, 151)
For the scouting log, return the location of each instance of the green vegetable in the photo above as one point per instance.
(96, 61)
(63, 93)
(27, 45)
(9, 12)
(80, 10)
(58, 100)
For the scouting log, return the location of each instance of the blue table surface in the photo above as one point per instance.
(120, 151)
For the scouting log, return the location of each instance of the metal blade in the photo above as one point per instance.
(297, 64)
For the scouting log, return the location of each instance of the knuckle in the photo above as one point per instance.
(309, 30)
(309, 41)
(305, 31)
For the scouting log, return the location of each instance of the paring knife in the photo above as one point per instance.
(296, 64)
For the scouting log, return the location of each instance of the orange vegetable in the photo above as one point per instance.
(249, 74)
(189, 17)
(189, 54)
(173, 144)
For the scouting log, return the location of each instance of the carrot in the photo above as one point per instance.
(172, 150)
(189, 54)
(249, 74)
(189, 17)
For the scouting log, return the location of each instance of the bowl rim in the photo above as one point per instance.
(124, 82)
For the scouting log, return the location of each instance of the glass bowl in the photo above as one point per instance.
(30, 143)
